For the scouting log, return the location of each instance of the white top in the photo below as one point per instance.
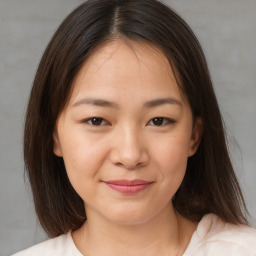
(212, 237)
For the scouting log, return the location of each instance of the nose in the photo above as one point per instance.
(129, 149)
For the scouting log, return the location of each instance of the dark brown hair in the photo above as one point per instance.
(210, 184)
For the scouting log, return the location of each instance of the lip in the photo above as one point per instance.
(128, 186)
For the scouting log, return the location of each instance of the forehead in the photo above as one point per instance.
(125, 67)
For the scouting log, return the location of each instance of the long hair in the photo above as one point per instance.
(210, 184)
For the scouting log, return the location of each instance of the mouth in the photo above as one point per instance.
(128, 186)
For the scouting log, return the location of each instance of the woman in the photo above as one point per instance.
(124, 144)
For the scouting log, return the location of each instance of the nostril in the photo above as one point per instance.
(130, 163)
(130, 152)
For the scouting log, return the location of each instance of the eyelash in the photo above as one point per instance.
(165, 120)
(98, 121)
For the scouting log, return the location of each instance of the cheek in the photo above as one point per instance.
(83, 160)
(171, 157)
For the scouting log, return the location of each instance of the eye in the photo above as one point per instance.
(160, 121)
(96, 121)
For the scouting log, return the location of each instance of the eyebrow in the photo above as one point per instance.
(162, 101)
(96, 102)
(148, 104)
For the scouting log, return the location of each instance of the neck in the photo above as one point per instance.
(162, 235)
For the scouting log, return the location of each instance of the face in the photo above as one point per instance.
(126, 133)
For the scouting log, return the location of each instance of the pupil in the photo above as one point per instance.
(96, 121)
(158, 121)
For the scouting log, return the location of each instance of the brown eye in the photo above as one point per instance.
(160, 121)
(96, 121)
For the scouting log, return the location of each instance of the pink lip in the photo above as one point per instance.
(128, 186)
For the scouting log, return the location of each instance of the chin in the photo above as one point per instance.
(130, 216)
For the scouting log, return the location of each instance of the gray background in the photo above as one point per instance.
(226, 29)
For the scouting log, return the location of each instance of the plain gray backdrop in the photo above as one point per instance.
(227, 32)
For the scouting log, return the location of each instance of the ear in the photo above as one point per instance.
(196, 136)
(56, 144)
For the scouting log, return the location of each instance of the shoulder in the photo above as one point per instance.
(216, 237)
(60, 246)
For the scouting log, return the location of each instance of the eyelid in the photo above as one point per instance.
(104, 122)
(167, 121)
(89, 120)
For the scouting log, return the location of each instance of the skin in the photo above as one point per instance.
(121, 83)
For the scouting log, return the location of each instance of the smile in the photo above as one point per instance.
(128, 186)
